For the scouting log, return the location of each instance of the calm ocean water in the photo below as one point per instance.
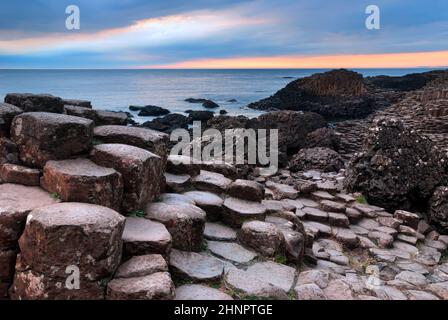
(117, 89)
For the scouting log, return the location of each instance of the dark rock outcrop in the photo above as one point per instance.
(78, 103)
(168, 123)
(324, 159)
(399, 168)
(438, 208)
(7, 113)
(202, 116)
(36, 102)
(324, 138)
(150, 111)
(409, 82)
(336, 94)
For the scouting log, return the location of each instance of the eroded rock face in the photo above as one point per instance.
(8, 152)
(36, 102)
(398, 169)
(7, 113)
(323, 159)
(81, 180)
(141, 171)
(438, 208)
(323, 138)
(42, 136)
(334, 94)
(12, 173)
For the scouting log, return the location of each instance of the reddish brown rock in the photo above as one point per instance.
(247, 190)
(157, 286)
(7, 113)
(81, 180)
(36, 102)
(211, 181)
(142, 236)
(183, 165)
(13, 173)
(151, 140)
(141, 171)
(88, 237)
(184, 221)
(42, 136)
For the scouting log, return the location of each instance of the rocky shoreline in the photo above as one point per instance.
(358, 210)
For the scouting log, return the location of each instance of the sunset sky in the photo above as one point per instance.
(223, 34)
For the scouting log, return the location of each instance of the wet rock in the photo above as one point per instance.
(7, 113)
(246, 190)
(209, 202)
(150, 111)
(394, 151)
(142, 236)
(64, 136)
(185, 222)
(157, 286)
(13, 173)
(140, 266)
(236, 211)
(210, 104)
(263, 237)
(195, 267)
(200, 292)
(323, 159)
(231, 251)
(168, 123)
(251, 285)
(35, 102)
(201, 115)
(141, 171)
(81, 180)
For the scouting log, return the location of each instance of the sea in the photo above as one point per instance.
(116, 90)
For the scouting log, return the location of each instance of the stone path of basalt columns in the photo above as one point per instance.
(76, 196)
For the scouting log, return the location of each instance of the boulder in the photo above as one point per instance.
(263, 237)
(110, 118)
(219, 232)
(236, 211)
(7, 113)
(168, 123)
(201, 115)
(36, 102)
(157, 286)
(319, 158)
(209, 202)
(142, 236)
(177, 182)
(42, 136)
(210, 104)
(142, 172)
(89, 237)
(184, 221)
(153, 141)
(150, 111)
(398, 169)
(178, 164)
(211, 181)
(81, 180)
(82, 112)
(13, 173)
(246, 190)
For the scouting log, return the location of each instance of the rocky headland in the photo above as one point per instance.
(357, 211)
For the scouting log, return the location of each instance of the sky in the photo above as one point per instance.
(223, 34)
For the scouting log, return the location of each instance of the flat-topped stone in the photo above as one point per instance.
(81, 180)
(195, 267)
(263, 237)
(409, 218)
(231, 251)
(211, 181)
(104, 118)
(200, 292)
(7, 113)
(246, 190)
(42, 136)
(140, 266)
(276, 274)
(29, 102)
(219, 232)
(178, 164)
(89, 236)
(177, 182)
(236, 211)
(157, 286)
(184, 221)
(315, 214)
(328, 205)
(142, 236)
(151, 140)
(282, 191)
(142, 172)
(211, 203)
(8, 151)
(13, 173)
